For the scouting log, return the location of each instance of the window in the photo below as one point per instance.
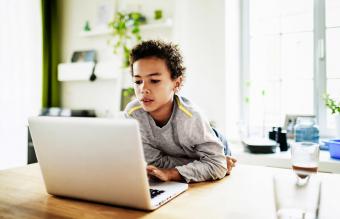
(332, 30)
(283, 62)
(20, 84)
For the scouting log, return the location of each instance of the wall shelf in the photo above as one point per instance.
(104, 31)
(82, 71)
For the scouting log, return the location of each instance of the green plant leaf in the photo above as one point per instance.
(331, 104)
(126, 33)
(247, 99)
(158, 14)
(263, 92)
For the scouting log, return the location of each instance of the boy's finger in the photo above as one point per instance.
(153, 173)
(158, 174)
(150, 168)
(232, 158)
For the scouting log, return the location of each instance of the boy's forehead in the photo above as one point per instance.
(150, 67)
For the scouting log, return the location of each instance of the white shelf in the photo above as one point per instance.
(75, 71)
(96, 32)
(145, 27)
(156, 25)
(82, 71)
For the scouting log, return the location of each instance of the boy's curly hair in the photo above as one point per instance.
(169, 52)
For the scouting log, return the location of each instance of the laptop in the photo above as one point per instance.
(98, 160)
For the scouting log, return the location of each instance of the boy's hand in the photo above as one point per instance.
(164, 174)
(230, 163)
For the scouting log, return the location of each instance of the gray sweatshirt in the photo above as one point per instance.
(186, 142)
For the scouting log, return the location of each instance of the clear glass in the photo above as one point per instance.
(305, 159)
(293, 201)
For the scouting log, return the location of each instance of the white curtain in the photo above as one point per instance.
(20, 76)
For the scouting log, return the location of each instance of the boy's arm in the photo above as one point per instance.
(211, 164)
(200, 139)
(208, 167)
(155, 157)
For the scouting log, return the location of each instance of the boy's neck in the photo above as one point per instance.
(162, 116)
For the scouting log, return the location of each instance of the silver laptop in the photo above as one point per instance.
(98, 160)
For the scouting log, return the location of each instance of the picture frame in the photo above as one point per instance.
(84, 56)
(290, 122)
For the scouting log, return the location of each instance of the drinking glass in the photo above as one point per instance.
(305, 158)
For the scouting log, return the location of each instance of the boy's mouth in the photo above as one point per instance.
(146, 100)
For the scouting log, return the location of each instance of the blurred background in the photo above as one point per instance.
(250, 63)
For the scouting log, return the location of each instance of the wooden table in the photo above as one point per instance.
(246, 193)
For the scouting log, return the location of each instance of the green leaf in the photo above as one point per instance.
(331, 104)
(126, 33)
(263, 92)
(247, 99)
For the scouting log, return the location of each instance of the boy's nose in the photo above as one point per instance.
(145, 89)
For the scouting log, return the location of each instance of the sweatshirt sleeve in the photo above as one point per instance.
(155, 157)
(211, 162)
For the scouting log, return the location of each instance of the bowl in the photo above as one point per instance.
(334, 148)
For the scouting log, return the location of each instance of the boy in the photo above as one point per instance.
(178, 142)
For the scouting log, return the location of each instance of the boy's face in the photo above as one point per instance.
(153, 84)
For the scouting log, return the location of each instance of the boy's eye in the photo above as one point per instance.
(138, 82)
(155, 81)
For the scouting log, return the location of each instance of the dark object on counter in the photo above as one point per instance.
(56, 111)
(272, 134)
(83, 113)
(280, 136)
(31, 157)
(260, 145)
(278, 133)
(282, 140)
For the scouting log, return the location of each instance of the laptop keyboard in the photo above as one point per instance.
(155, 192)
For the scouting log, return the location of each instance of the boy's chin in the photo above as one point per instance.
(147, 108)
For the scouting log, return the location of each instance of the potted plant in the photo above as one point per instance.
(335, 109)
(126, 33)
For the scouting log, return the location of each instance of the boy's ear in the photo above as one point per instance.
(178, 83)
